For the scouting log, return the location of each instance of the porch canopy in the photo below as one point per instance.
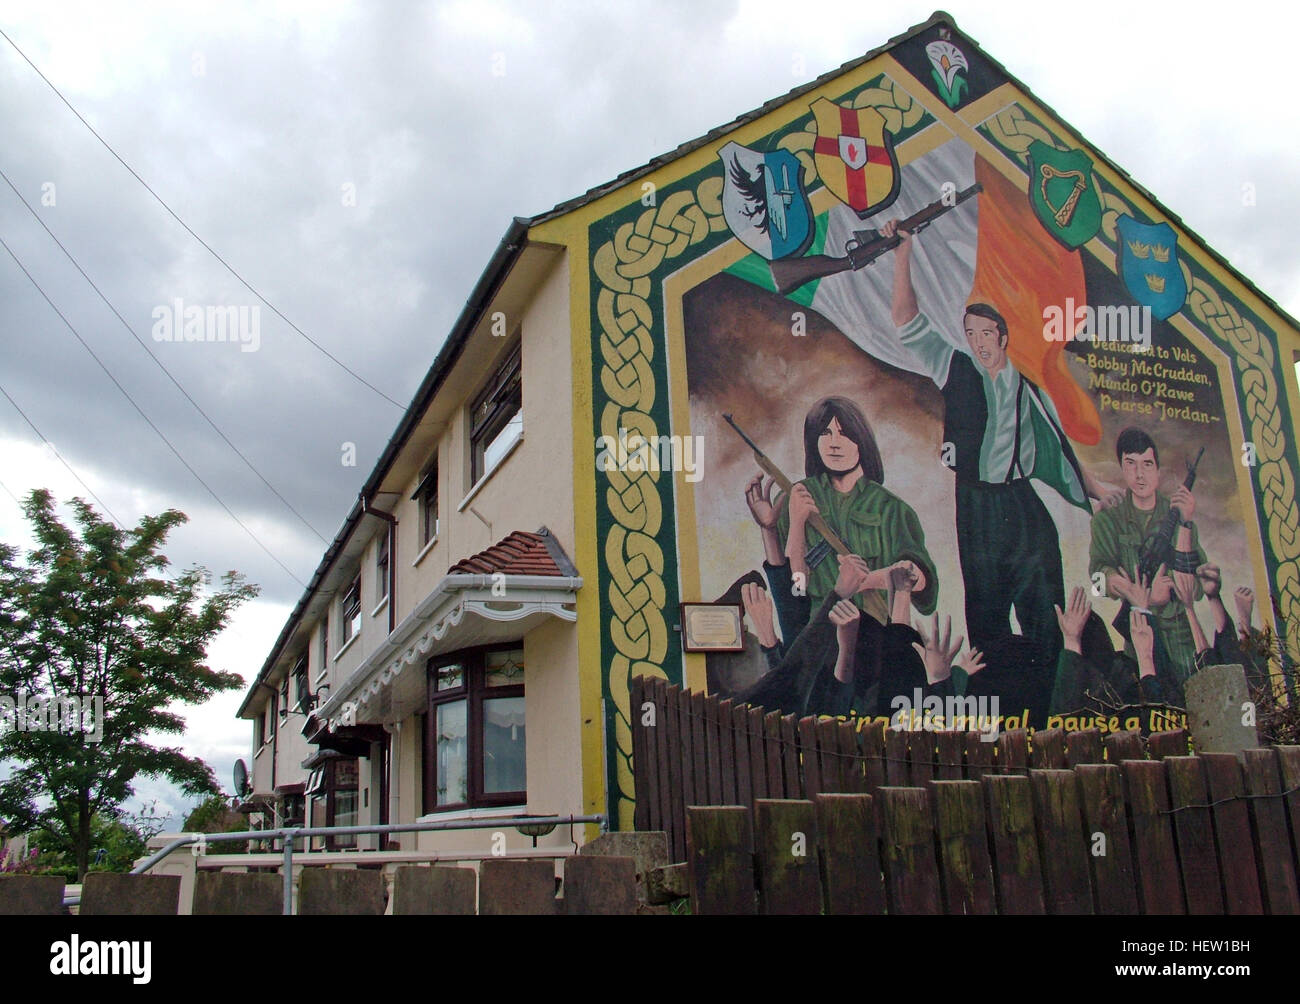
(497, 596)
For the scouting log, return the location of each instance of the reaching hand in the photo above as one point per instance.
(846, 616)
(853, 576)
(972, 660)
(904, 236)
(1136, 591)
(1245, 598)
(1162, 588)
(1211, 580)
(1185, 501)
(802, 505)
(758, 496)
(758, 605)
(936, 652)
(1185, 588)
(1144, 641)
(1073, 618)
(906, 576)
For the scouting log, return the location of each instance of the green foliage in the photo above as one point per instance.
(93, 613)
(1277, 714)
(214, 815)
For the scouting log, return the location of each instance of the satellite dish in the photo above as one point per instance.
(241, 778)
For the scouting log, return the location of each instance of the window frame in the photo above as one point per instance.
(426, 496)
(474, 692)
(301, 687)
(323, 786)
(503, 395)
(350, 623)
(383, 563)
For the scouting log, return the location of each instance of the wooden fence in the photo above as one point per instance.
(1056, 823)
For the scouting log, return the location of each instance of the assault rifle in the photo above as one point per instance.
(1156, 548)
(789, 274)
(771, 470)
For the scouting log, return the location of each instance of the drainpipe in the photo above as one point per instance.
(391, 520)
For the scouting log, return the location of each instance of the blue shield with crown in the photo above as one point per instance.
(1149, 266)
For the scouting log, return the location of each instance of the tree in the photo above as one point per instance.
(92, 615)
(215, 815)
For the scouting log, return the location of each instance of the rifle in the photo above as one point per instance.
(789, 274)
(771, 470)
(1155, 549)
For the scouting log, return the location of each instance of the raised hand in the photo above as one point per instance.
(758, 496)
(906, 576)
(802, 505)
(853, 576)
(1185, 588)
(1162, 588)
(1211, 580)
(1144, 642)
(936, 652)
(1245, 600)
(972, 660)
(1073, 618)
(846, 617)
(758, 605)
(1185, 501)
(904, 236)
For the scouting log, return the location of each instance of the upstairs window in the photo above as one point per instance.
(352, 609)
(426, 493)
(496, 417)
(325, 643)
(302, 693)
(284, 697)
(382, 559)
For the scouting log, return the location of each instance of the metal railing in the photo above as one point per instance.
(289, 834)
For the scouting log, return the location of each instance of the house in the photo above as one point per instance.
(992, 414)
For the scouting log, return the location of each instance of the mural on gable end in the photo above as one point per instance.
(942, 409)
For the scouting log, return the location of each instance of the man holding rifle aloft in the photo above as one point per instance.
(1000, 430)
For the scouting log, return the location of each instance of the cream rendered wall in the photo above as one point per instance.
(532, 486)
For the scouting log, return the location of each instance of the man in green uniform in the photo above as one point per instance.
(1118, 534)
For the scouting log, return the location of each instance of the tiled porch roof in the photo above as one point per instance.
(519, 553)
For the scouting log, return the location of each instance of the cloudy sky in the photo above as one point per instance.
(358, 163)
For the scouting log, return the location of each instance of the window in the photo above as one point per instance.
(325, 643)
(284, 697)
(474, 731)
(268, 731)
(352, 609)
(426, 492)
(496, 417)
(259, 732)
(381, 565)
(332, 794)
(301, 691)
(293, 811)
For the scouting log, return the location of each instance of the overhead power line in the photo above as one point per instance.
(140, 411)
(188, 229)
(57, 454)
(144, 345)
